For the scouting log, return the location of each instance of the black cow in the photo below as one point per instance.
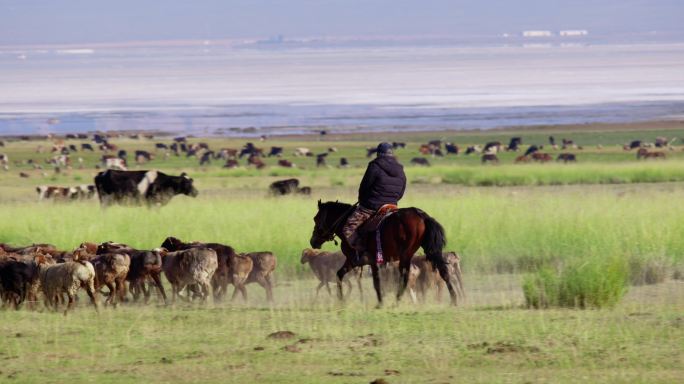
(514, 143)
(397, 145)
(15, 280)
(136, 187)
(86, 147)
(122, 154)
(320, 159)
(344, 162)
(451, 148)
(161, 146)
(552, 141)
(567, 157)
(532, 149)
(635, 144)
(73, 148)
(288, 186)
(420, 161)
(276, 151)
(143, 155)
(206, 157)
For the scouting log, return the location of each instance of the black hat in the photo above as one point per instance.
(384, 148)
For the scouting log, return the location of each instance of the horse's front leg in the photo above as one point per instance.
(376, 283)
(340, 276)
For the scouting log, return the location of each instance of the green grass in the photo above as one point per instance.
(639, 341)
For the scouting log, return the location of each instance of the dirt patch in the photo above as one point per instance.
(258, 348)
(370, 340)
(502, 347)
(392, 372)
(281, 335)
(292, 348)
(349, 374)
(379, 381)
(166, 360)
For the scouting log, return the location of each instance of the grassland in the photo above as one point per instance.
(606, 207)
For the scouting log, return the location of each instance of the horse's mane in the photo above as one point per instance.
(335, 205)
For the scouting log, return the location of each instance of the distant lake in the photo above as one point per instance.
(209, 90)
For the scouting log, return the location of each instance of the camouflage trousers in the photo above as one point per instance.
(357, 218)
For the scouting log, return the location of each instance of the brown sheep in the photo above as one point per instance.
(111, 270)
(66, 278)
(144, 265)
(264, 265)
(189, 267)
(325, 266)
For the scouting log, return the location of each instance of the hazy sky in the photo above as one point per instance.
(79, 21)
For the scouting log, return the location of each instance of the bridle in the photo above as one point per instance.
(329, 234)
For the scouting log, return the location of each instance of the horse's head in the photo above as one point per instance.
(329, 218)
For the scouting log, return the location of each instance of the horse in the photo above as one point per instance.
(401, 234)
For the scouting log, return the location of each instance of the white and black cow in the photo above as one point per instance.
(4, 161)
(80, 192)
(137, 187)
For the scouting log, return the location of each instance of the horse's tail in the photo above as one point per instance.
(434, 239)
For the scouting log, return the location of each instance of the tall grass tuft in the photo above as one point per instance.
(593, 283)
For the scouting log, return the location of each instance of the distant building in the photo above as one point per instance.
(573, 32)
(537, 33)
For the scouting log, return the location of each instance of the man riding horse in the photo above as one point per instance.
(383, 184)
(398, 237)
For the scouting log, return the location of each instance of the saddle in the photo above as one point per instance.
(373, 224)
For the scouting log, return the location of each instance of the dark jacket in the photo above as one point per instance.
(383, 183)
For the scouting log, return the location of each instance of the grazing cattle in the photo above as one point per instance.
(275, 151)
(661, 142)
(325, 265)
(320, 160)
(344, 163)
(285, 163)
(228, 153)
(541, 157)
(111, 270)
(2, 143)
(206, 157)
(451, 148)
(231, 163)
(179, 139)
(632, 145)
(552, 141)
(161, 146)
(111, 162)
(86, 147)
(490, 158)
(143, 156)
(144, 265)
(473, 149)
(4, 161)
(60, 160)
(250, 150)
(522, 159)
(284, 187)
(122, 154)
(332, 149)
(150, 187)
(80, 192)
(514, 144)
(397, 145)
(256, 161)
(304, 191)
(645, 154)
(24, 175)
(232, 268)
(302, 151)
(107, 147)
(492, 147)
(567, 143)
(194, 266)
(567, 157)
(420, 161)
(531, 149)
(66, 278)
(174, 147)
(262, 272)
(73, 148)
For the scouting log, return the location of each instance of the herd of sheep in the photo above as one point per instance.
(195, 271)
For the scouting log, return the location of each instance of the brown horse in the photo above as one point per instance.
(401, 235)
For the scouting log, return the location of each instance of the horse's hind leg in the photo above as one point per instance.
(444, 273)
(376, 282)
(403, 275)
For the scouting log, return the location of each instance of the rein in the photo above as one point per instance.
(330, 233)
